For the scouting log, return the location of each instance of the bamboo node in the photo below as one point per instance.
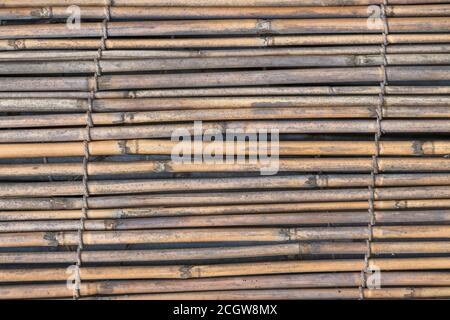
(45, 12)
(312, 181)
(17, 44)
(52, 239)
(418, 147)
(287, 234)
(123, 147)
(269, 41)
(401, 204)
(263, 26)
(186, 272)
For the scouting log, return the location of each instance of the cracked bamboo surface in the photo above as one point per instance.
(342, 202)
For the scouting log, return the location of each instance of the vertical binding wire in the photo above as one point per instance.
(89, 125)
(377, 137)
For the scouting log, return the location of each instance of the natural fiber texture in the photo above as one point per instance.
(95, 204)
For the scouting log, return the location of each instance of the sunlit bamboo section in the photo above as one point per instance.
(224, 149)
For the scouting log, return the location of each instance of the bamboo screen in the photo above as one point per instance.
(224, 149)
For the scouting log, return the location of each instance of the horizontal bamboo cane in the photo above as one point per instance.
(223, 79)
(277, 219)
(149, 212)
(320, 280)
(128, 66)
(108, 187)
(231, 92)
(303, 148)
(205, 235)
(223, 270)
(196, 199)
(283, 165)
(114, 104)
(292, 250)
(236, 42)
(232, 128)
(355, 112)
(207, 59)
(221, 42)
(210, 3)
(226, 27)
(137, 13)
(295, 294)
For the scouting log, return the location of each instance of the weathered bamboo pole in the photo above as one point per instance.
(57, 120)
(61, 120)
(223, 270)
(239, 42)
(277, 219)
(221, 198)
(303, 148)
(291, 249)
(228, 27)
(341, 55)
(106, 187)
(320, 280)
(222, 127)
(143, 64)
(211, 3)
(151, 212)
(137, 13)
(221, 42)
(296, 294)
(223, 79)
(231, 93)
(205, 235)
(393, 193)
(109, 102)
(283, 165)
